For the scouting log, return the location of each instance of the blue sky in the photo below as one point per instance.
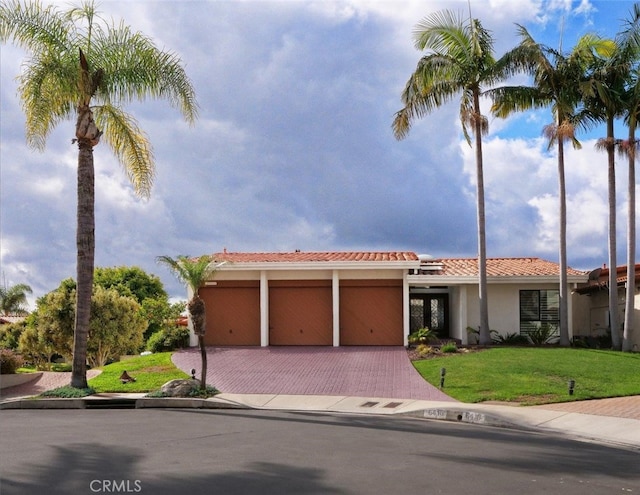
(294, 150)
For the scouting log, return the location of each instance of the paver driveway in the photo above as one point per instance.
(339, 371)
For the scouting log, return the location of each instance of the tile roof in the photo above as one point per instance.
(500, 267)
(308, 256)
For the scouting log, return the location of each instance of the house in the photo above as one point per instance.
(371, 298)
(596, 292)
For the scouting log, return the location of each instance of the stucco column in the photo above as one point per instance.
(335, 293)
(405, 308)
(264, 309)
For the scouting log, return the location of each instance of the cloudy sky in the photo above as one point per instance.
(293, 148)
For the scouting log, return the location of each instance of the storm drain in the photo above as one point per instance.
(392, 405)
(369, 404)
(121, 403)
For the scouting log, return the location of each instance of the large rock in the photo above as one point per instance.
(180, 387)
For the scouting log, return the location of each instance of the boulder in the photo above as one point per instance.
(180, 387)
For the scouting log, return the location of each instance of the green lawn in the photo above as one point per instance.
(150, 372)
(534, 375)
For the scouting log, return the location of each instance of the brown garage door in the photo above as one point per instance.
(300, 312)
(371, 312)
(233, 313)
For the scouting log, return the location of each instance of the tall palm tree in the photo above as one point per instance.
(460, 61)
(83, 66)
(193, 273)
(557, 78)
(629, 41)
(13, 300)
(608, 98)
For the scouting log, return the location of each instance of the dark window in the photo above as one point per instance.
(538, 308)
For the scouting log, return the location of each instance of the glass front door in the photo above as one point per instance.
(430, 311)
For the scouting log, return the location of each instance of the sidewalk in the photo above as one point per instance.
(611, 421)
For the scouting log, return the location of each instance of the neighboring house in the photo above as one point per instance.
(8, 319)
(596, 321)
(372, 298)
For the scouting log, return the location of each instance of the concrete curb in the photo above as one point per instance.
(120, 402)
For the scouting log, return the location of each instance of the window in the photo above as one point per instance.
(538, 308)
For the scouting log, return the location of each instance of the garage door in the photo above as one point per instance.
(300, 312)
(233, 313)
(371, 312)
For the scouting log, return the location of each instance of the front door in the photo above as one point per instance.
(430, 311)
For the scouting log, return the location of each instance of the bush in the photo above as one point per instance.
(424, 349)
(510, 339)
(544, 334)
(10, 335)
(449, 347)
(168, 339)
(68, 392)
(422, 336)
(9, 361)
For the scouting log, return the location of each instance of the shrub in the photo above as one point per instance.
(422, 336)
(543, 334)
(168, 339)
(424, 349)
(10, 335)
(68, 392)
(449, 347)
(9, 361)
(510, 339)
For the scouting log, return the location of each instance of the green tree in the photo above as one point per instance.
(13, 300)
(557, 79)
(193, 273)
(86, 67)
(460, 61)
(117, 326)
(145, 288)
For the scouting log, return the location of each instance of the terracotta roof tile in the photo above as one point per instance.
(308, 256)
(501, 267)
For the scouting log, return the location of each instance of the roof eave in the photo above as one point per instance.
(319, 265)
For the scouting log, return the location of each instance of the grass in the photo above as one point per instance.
(534, 375)
(150, 372)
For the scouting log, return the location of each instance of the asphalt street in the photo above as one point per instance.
(196, 451)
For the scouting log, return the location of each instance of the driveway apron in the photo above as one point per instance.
(384, 372)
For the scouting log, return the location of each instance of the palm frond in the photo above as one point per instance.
(130, 145)
(192, 272)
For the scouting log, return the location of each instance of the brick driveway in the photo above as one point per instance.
(339, 371)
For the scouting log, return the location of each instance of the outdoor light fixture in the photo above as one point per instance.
(443, 372)
(571, 384)
(193, 373)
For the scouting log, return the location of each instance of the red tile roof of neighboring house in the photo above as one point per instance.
(11, 319)
(599, 278)
(308, 256)
(500, 267)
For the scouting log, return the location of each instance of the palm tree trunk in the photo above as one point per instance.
(564, 292)
(203, 357)
(613, 281)
(631, 242)
(485, 334)
(85, 241)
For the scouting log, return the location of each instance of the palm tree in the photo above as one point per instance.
(608, 98)
(14, 299)
(460, 60)
(193, 273)
(629, 40)
(557, 79)
(81, 65)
